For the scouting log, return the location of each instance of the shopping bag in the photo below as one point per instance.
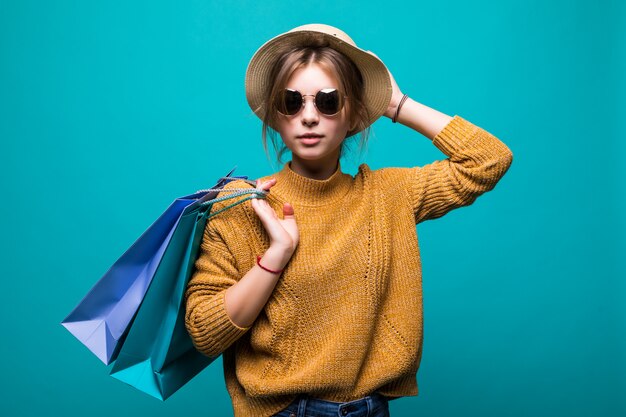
(101, 319)
(158, 356)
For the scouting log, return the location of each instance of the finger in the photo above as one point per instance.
(265, 185)
(261, 205)
(289, 218)
(289, 222)
(269, 219)
(288, 210)
(263, 210)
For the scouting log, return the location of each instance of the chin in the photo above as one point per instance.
(309, 157)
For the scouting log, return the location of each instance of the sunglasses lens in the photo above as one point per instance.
(289, 102)
(328, 101)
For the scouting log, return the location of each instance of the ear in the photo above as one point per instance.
(353, 125)
(353, 122)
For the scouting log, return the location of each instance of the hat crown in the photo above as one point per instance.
(327, 29)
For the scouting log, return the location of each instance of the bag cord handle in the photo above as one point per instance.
(234, 192)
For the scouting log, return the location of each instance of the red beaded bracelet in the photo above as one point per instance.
(258, 262)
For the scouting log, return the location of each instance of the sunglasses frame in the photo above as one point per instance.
(302, 104)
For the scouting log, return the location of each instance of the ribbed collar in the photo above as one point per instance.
(303, 191)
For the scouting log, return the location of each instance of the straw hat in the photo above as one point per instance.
(376, 81)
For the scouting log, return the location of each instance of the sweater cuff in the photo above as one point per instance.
(221, 330)
(455, 135)
(460, 137)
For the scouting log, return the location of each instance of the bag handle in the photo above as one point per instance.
(221, 179)
(235, 192)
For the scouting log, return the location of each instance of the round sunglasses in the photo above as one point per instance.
(328, 101)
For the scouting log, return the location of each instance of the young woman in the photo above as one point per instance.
(313, 294)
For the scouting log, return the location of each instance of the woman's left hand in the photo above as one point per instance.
(396, 94)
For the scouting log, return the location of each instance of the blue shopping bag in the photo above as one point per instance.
(158, 356)
(101, 319)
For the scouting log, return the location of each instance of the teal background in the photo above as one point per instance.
(110, 110)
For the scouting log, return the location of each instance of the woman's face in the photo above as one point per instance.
(322, 151)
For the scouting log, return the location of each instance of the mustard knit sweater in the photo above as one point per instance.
(345, 318)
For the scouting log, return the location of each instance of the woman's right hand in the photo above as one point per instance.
(283, 233)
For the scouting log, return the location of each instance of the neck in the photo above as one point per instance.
(314, 169)
(305, 191)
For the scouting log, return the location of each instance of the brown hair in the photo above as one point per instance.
(344, 70)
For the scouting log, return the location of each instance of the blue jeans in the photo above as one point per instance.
(375, 405)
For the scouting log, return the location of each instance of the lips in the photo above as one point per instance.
(310, 139)
(310, 135)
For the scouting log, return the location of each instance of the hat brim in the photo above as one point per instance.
(377, 88)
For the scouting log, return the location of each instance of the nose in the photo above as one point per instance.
(310, 116)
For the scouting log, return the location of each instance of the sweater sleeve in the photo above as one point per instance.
(211, 329)
(476, 162)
